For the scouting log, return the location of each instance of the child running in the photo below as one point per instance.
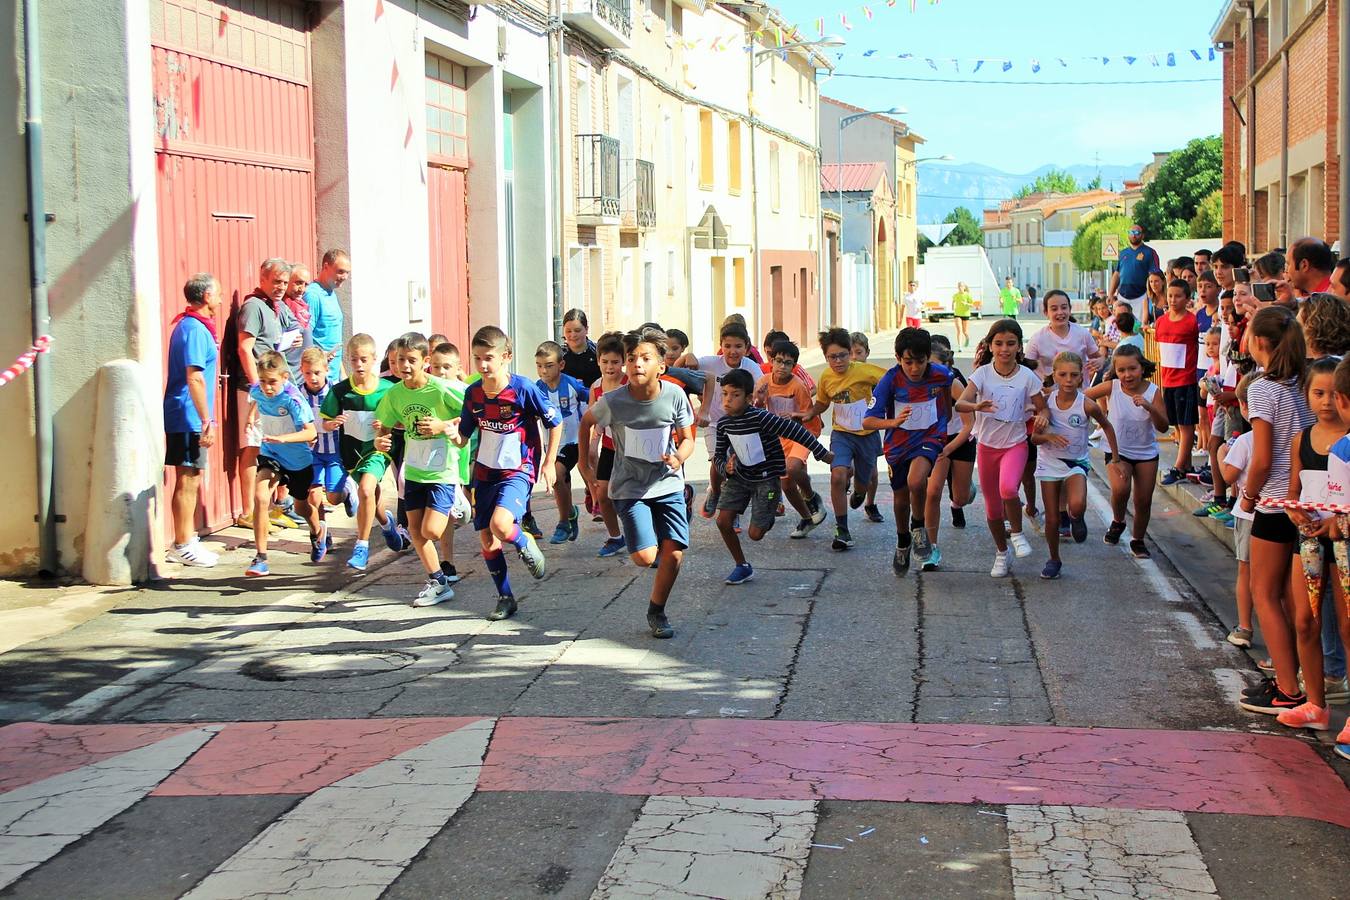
(329, 479)
(783, 393)
(954, 470)
(862, 350)
(749, 453)
(287, 427)
(447, 365)
(1000, 393)
(506, 411)
(1135, 409)
(1063, 465)
(568, 396)
(609, 351)
(350, 406)
(427, 409)
(847, 387)
(913, 403)
(652, 424)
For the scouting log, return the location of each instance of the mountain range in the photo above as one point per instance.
(945, 186)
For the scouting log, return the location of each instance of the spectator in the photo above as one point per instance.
(1340, 279)
(189, 410)
(260, 330)
(1225, 260)
(1202, 258)
(325, 311)
(1310, 263)
(1129, 281)
(299, 312)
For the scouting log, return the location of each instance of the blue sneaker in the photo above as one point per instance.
(257, 567)
(1051, 569)
(741, 574)
(561, 534)
(349, 498)
(1343, 751)
(611, 547)
(1174, 475)
(390, 529)
(319, 546)
(934, 560)
(360, 558)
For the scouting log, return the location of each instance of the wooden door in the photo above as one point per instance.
(449, 254)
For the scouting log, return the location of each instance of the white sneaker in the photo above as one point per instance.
(433, 592)
(461, 513)
(1000, 569)
(1020, 545)
(193, 554)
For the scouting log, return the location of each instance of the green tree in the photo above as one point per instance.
(967, 231)
(1183, 182)
(1087, 240)
(1208, 219)
(1055, 181)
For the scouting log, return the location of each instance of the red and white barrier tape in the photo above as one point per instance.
(1341, 508)
(25, 360)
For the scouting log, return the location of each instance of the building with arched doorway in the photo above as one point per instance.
(868, 212)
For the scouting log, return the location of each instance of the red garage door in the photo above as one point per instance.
(235, 143)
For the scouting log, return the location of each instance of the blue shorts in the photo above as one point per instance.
(512, 493)
(858, 452)
(329, 473)
(422, 495)
(646, 523)
(898, 469)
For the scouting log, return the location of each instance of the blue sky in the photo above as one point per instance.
(1017, 128)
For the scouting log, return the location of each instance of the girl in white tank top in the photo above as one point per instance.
(1135, 411)
(1062, 463)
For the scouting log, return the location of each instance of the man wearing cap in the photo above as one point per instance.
(1129, 281)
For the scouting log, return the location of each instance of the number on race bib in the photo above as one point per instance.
(499, 451)
(922, 415)
(427, 454)
(648, 444)
(749, 448)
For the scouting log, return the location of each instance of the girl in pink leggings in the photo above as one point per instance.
(1003, 395)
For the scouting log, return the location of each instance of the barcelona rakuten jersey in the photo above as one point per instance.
(507, 426)
(930, 405)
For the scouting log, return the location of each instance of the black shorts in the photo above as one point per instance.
(1275, 527)
(568, 456)
(605, 466)
(1130, 460)
(1182, 404)
(298, 480)
(964, 453)
(183, 449)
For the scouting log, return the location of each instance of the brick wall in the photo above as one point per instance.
(1308, 91)
(1234, 210)
(1333, 106)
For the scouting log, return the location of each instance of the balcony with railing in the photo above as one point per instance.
(608, 21)
(598, 182)
(638, 195)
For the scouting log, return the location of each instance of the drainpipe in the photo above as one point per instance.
(1343, 123)
(755, 251)
(1284, 148)
(555, 49)
(37, 267)
(1251, 126)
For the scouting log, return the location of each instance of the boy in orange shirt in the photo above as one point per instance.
(784, 394)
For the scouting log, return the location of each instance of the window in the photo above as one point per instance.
(775, 199)
(581, 89)
(734, 156)
(738, 280)
(705, 147)
(447, 109)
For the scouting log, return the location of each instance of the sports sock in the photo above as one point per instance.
(902, 539)
(363, 543)
(496, 565)
(841, 522)
(654, 610)
(517, 538)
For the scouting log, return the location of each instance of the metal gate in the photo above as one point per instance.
(235, 159)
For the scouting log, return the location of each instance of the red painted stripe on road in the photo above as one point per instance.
(32, 751)
(298, 757)
(1213, 772)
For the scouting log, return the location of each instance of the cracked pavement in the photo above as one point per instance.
(826, 730)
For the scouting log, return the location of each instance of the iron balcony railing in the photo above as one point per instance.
(598, 176)
(639, 193)
(617, 13)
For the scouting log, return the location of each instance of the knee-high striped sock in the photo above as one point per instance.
(496, 566)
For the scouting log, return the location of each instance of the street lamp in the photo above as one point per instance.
(832, 40)
(946, 157)
(839, 151)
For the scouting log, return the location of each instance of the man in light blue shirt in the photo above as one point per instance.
(325, 312)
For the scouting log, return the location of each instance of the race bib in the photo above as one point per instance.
(1338, 479)
(922, 416)
(571, 426)
(782, 406)
(1172, 356)
(647, 444)
(499, 451)
(849, 416)
(1134, 433)
(1010, 404)
(276, 426)
(288, 339)
(1313, 486)
(749, 448)
(428, 454)
(360, 425)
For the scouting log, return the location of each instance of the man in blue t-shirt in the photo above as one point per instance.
(325, 312)
(189, 411)
(1129, 281)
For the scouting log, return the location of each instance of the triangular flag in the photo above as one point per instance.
(867, 13)
(1211, 54)
(1171, 59)
(408, 136)
(911, 5)
(931, 64)
(1035, 65)
(393, 77)
(868, 52)
(1105, 60)
(979, 64)
(1129, 60)
(1196, 54)
(783, 55)
(1153, 59)
(1007, 64)
(820, 27)
(1062, 62)
(905, 56)
(778, 35)
(843, 20)
(890, 2)
(379, 9)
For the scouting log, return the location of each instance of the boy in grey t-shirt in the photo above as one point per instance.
(652, 424)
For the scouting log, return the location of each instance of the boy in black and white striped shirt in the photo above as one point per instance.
(749, 453)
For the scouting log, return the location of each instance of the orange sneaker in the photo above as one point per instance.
(1318, 718)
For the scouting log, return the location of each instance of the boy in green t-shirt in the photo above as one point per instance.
(428, 409)
(351, 405)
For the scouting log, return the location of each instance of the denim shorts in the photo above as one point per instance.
(648, 522)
